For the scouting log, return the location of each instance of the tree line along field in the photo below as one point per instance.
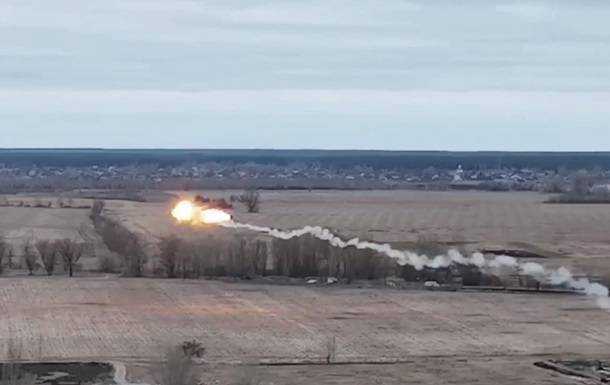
(572, 235)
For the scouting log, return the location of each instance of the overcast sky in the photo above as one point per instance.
(386, 74)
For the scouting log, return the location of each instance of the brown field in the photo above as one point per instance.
(132, 320)
(462, 337)
(573, 235)
(19, 225)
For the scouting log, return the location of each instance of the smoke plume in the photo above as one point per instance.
(560, 276)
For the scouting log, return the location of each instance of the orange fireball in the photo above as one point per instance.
(184, 211)
(188, 212)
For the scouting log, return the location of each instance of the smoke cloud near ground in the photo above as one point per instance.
(560, 276)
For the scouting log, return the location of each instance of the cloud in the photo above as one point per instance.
(346, 66)
(528, 11)
(307, 118)
(323, 13)
(302, 101)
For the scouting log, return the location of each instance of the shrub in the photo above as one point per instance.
(582, 183)
(495, 186)
(193, 348)
(596, 198)
(97, 208)
(176, 368)
(553, 185)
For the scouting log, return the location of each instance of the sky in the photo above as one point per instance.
(328, 74)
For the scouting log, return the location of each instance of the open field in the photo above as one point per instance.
(131, 320)
(19, 225)
(572, 235)
(469, 337)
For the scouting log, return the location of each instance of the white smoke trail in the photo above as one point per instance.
(561, 276)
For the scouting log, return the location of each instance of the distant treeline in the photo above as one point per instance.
(327, 158)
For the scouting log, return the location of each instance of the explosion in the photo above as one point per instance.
(184, 211)
(188, 212)
(214, 216)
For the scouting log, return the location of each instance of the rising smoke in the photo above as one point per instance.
(560, 276)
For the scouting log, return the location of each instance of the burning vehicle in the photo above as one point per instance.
(220, 203)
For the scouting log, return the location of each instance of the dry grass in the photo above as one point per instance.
(125, 319)
(176, 368)
(19, 225)
(486, 337)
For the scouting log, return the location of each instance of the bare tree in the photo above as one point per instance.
(239, 265)
(48, 254)
(176, 369)
(170, 254)
(190, 263)
(5, 254)
(259, 257)
(30, 259)
(206, 256)
(70, 251)
(251, 200)
(134, 256)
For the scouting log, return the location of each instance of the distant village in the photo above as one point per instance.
(293, 176)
